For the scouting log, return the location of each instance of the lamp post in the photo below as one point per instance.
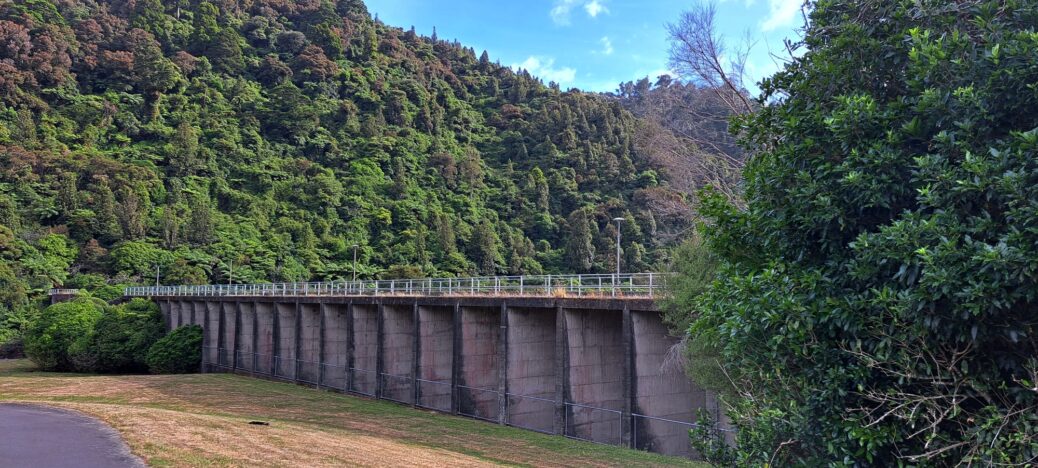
(156, 275)
(355, 246)
(618, 221)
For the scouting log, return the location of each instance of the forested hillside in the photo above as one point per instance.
(267, 137)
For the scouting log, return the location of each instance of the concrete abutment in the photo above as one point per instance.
(593, 369)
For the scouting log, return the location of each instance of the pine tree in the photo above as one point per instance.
(107, 223)
(580, 247)
(486, 246)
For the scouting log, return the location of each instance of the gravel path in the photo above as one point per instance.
(45, 437)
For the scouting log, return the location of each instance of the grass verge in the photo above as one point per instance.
(204, 420)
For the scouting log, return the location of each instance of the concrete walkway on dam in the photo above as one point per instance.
(45, 437)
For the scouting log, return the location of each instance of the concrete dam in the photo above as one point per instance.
(582, 356)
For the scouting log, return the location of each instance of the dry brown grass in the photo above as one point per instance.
(203, 420)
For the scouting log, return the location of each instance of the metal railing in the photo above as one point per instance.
(333, 376)
(593, 424)
(398, 388)
(663, 435)
(370, 378)
(244, 360)
(63, 292)
(308, 368)
(437, 391)
(473, 403)
(285, 368)
(531, 404)
(609, 285)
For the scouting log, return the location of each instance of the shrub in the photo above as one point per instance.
(875, 302)
(60, 332)
(12, 347)
(123, 336)
(179, 352)
(109, 292)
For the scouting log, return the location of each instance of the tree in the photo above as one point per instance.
(179, 352)
(537, 189)
(61, 331)
(875, 298)
(124, 334)
(699, 52)
(580, 246)
(200, 224)
(183, 151)
(132, 214)
(486, 249)
(106, 224)
(153, 72)
(226, 53)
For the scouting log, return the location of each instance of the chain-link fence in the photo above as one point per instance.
(593, 424)
(398, 388)
(531, 413)
(434, 395)
(479, 403)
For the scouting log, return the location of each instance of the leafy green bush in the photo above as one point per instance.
(57, 337)
(876, 298)
(124, 335)
(109, 292)
(179, 352)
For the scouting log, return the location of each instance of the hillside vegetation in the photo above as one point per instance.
(266, 138)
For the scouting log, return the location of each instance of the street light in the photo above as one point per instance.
(355, 246)
(618, 221)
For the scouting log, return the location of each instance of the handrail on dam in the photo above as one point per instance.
(607, 285)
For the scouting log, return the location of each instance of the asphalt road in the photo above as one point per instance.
(44, 437)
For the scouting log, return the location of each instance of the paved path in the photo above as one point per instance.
(45, 437)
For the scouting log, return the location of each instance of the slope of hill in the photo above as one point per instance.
(268, 137)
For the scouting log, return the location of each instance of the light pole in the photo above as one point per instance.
(618, 221)
(156, 275)
(355, 246)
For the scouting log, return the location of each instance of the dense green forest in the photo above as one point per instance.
(267, 137)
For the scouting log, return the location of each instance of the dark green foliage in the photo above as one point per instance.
(876, 298)
(278, 134)
(124, 335)
(179, 352)
(58, 339)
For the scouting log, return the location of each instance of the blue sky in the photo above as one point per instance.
(590, 44)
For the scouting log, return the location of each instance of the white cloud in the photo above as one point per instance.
(607, 46)
(782, 13)
(561, 12)
(594, 8)
(544, 68)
